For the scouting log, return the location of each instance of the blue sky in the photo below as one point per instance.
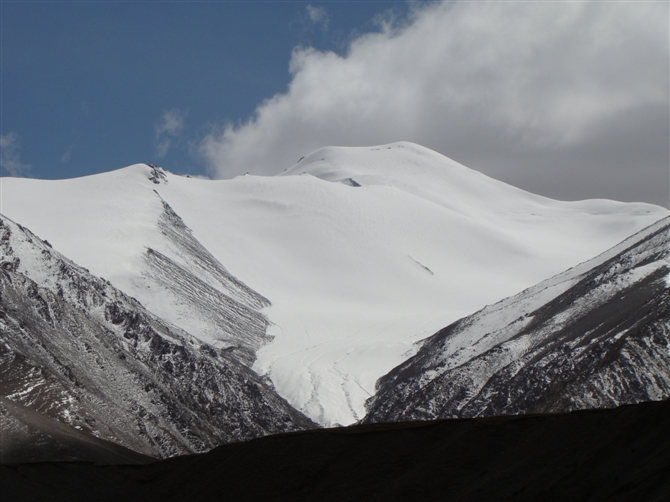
(85, 84)
(565, 99)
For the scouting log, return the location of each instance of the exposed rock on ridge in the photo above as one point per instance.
(225, 309)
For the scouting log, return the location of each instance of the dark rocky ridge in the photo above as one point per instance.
(621, 454)
(596, 336)
(77, 350)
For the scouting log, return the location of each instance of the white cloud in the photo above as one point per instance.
(169, 128)
(65, 158)
(464, 78)
(162, 147)
(10, 160)
(318, 16)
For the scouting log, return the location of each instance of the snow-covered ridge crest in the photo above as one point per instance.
(425, 173)
(355, 274)
(132, 237)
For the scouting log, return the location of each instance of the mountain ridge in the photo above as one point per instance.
(79, 351)
(355, 275)
(594, 336)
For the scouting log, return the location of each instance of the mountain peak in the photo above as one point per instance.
(391, 160)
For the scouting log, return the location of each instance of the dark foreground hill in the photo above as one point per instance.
(616, 454)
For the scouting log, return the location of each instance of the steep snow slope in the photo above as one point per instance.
(594, 336)
(77, 350)
(355, 274)
(117, 225)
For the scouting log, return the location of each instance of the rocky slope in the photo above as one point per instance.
(595, 336)
(77, 350)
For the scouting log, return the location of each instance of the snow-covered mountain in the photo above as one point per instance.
(324, 277)
(77, 352)
(594, 336)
